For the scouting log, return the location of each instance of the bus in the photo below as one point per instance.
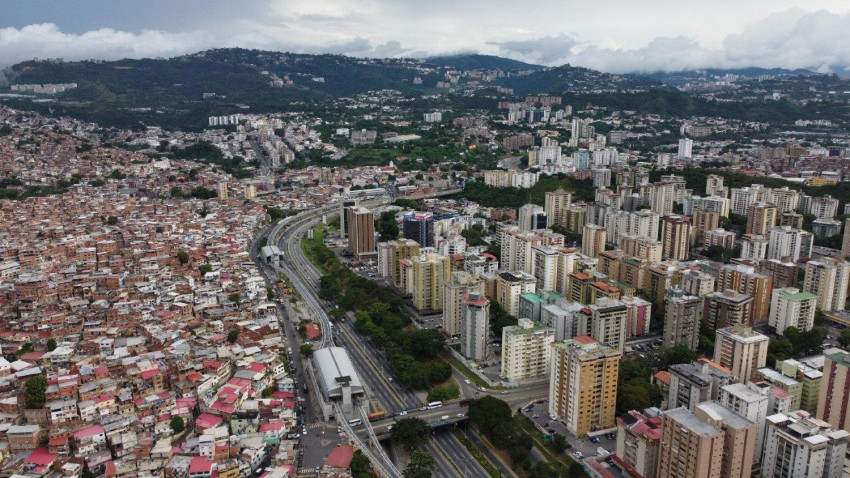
(465, 402)
(354, 422)
(434, 405)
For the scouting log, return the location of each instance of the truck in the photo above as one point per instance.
(375, 416)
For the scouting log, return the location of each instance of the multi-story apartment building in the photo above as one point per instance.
(474, 326)
(761, 218)
(390, 255)
(583, 384)
(509, 287)
(461, 283)
(790, 307)
(675, 237)
(828, 279)
(786, 242)
(526, 350)
(723, 309)
(428, 274)
(741, 350)
(800, 446)
(746, 279)
(697, 382)
(638, 439)
(682, 314)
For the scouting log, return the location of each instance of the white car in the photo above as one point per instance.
(403, 413)
(578, 454)
(467, 381)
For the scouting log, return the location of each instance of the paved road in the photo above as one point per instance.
(305, 280)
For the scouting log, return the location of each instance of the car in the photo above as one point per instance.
(461, 415)
(390, 428)
(535, 416)
(546, 425)
(578, 454)
(403, 413)
(540, 401)
(553, 417)
(594, 439)
(467, 381)
(503, 392)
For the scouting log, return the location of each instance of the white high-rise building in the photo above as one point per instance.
(526, 350)
(798, 445)
(545, 260)
(828, 279)
(786, 241)
(750, 401)
(686, 146)
(790, 307)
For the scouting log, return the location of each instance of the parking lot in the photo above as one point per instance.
(539, 414)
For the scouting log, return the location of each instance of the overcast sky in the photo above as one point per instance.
(610, 35)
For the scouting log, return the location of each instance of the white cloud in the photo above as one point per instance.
(791, 38)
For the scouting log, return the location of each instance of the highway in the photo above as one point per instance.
(370, 364)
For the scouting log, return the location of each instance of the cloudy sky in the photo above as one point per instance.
(610, 35)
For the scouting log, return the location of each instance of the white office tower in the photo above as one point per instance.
(686, 147)
(475, 326)
(798, 445)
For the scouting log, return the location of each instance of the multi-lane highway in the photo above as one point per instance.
(453, 459)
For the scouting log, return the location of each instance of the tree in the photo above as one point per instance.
(112, 220)
(177, 424)
(844, 338)
(632, 397)
(439, 371)
(441, 393)
(411, 433)
(487, 412)
(424, 343)
(674, 355)
(34, 392)
(233, 335)
(559, 444)
(183, 257)
(420, 465)
(360, 466)
(542, 469)
(204, 269)
(235, 297)
(779, 348)
(86, 471)
(306, 350)
(634, 368)
(269, 293)
(387, 226)
(51, 344)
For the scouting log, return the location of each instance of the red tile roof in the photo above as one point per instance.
(340, 457)
(313, 331)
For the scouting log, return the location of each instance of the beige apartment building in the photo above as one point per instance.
(583, 384)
